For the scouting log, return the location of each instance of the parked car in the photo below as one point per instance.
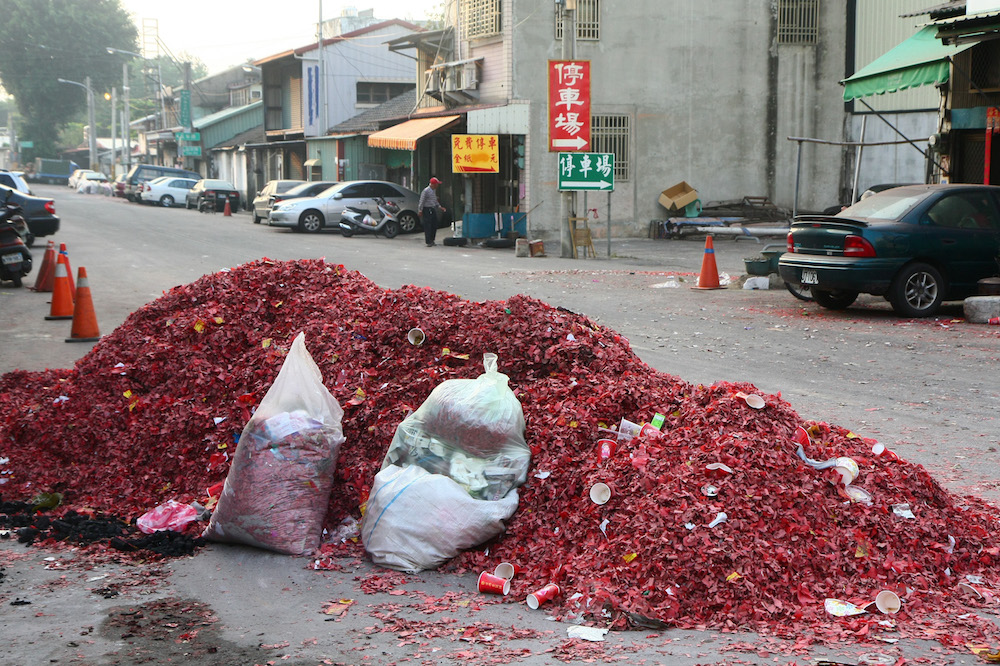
(141, 173)
(262, 203)
(323, 211)
(165, 190)
(212, 192)
(118, 186)
(93, 183)
(917, 246)
(75, 177)
(39, 213)
(312, 188)
(14, 180)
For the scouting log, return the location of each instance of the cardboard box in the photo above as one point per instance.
(678, 196)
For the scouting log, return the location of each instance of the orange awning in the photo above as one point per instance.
(404, 136)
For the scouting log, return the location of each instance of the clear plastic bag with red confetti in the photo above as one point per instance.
(278, 487)
(470, 430)
(415, 520)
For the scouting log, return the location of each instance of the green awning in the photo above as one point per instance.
(920, 60)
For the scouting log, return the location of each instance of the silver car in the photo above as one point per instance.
(323, 212)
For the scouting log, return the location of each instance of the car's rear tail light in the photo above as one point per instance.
(856, 246)
(50, 207)
(789, 243)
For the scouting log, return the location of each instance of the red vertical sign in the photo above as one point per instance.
(569, 106)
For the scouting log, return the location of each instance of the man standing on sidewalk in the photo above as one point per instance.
(429, 207)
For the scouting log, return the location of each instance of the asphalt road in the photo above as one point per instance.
(926, 388)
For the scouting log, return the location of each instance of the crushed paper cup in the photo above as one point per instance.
(600, 493)
(858, 495)
(841, 608)
(848, 469)
(491, 584)
(887, 602)
(539, 597)
(505, 570)
(965, 588)
(755, 401)
(415, 337)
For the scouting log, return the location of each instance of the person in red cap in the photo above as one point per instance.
(428, 211)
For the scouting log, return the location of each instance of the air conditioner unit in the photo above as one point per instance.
(433, 81)
(470, 75)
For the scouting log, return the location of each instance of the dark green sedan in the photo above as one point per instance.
(917, 246)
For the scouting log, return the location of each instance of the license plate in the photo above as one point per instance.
(809, 277)
(9, 259)
(221, 196)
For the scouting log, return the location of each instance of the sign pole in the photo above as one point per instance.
(609, 224)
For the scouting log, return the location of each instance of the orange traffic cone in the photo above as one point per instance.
(84, 320)
(47, 273)
(63, 258)
(227, 211)
(62, 299)
(709, 276)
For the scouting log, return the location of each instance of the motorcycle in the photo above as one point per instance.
(15, 259)
(354, 220)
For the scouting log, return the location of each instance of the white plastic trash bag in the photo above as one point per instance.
(415, 520)
(278, 487)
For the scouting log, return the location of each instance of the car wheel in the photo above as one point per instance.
(799, 291)
(408, 222)
(391, 229)
(834, 300)
(311, 221)
(917, 291)
(166, 201)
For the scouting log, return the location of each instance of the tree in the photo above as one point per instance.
(45, 40)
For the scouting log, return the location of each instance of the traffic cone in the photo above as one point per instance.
(227, 211)
(47, 273)
(84, 320)
(64, 258)
(62, 299)
(708, 278)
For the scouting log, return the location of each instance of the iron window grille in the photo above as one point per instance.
(798, 21)
(611, 133)
(588, 21)
(481, 18)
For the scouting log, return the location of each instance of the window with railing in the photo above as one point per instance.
(798, 21)
(588, 20)
(611, 133)
(481, 18)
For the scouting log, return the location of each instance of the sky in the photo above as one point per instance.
(225, 34)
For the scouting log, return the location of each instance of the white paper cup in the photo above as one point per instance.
(505, 570)
(600, 493)
(415, 337)
(887, 602)
(755, 401)
(848, 469)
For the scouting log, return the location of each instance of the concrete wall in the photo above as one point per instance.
(711, 98)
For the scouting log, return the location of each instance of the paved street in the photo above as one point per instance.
(925, 388)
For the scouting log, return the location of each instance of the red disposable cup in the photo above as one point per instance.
(506, 570)
(606, 448)
(880, 450)
(547, 593)
(493, 584)
(647, 429)
(801, 436)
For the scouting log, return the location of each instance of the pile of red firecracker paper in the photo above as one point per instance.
(154, 410)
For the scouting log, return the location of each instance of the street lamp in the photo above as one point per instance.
(90, 118)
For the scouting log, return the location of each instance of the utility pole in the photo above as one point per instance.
(114, 144)
(568, 199)
(126, 121)
(187, 126)
(91, 118)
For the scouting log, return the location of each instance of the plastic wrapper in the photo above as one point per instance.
(470, 430)
(415, 520)
(278, 487)
(171, 515)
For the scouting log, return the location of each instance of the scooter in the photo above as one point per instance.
(15, 259)
(359, 220)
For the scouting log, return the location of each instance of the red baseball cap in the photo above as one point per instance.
(435, 181)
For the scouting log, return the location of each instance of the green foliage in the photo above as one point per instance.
(45, 40)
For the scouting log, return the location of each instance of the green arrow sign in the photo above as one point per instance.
(187, 136)
(587, 171)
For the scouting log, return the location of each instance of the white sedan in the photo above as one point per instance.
(165, 190)
(323, 212)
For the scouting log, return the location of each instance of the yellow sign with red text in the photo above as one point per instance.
(475, 153)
